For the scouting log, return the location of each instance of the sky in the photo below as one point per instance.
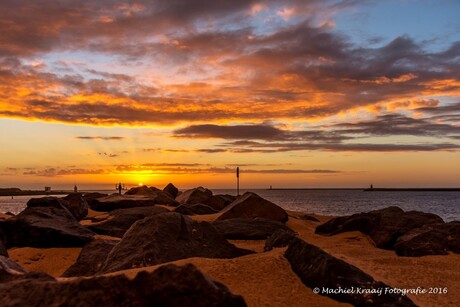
(297, 93)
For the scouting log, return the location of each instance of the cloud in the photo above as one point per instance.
(228, 132)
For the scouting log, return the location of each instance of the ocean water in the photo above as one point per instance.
(329, 202)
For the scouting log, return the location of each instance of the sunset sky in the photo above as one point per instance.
(335, 93)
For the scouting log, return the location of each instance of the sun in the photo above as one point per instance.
(141, 184)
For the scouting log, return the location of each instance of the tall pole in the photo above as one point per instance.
(237, 181)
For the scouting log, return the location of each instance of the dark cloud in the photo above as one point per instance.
(229, 132)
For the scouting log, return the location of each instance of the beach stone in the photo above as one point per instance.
(194, 196)
(77, 205)
(383, 226)
(280, 238)
(171, 190)
(122, 219)
(318, 269)
(248, 229)
(9, 268)
(169, 285)
(115, 201)
(251, 205)
(168, 237)
(306, 217)
(434, 239)
(91, 258)
(3, 251)
(45, 227)
(217, 202)
(183, 209)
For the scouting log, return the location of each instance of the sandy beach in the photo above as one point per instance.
(266, 278)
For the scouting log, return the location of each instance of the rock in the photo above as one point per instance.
(77, 205)
(45, 227)
(202, 209)
(183, 209)
(116, 201)
(122, 219)
(167, 237)
(194, 196)
(169, 285)
(248, 229)
(318, 269)
(280, 238)
(217, 202)
(251, 205)
(11, 271)
(306, 217)
(91, 258)
(91, 197)
(171, 190)
(383, 226)
(3, 251)
(433, 239)
(143, 190)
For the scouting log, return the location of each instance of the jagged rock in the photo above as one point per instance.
(91, 258)
(433, 239)
(194, 196)
(280, 238)
(183, 209)
(9, 269)
(383, 226)
(248, 229)
(45, 227)
(167, 237)
(77, 205)
(202, 209)
(306, 217)
(251, 205)
(171, 190)
(169, 285)
(122, 219)
(217, 202)
(116, 201)
(318, 269)
(3, 251)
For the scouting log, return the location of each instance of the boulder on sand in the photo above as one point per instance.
(3, 251)
(218, 202)
(194, 196)
(251, 205)
(280, 238)
(319, 270)
(169, 285)
(433, 239)
(77, 205)
(171, 190)
(383, 226)
(11, 271)
(248, 229)
(91, 258)
(45, 227)
(122, 219)
(167, 237)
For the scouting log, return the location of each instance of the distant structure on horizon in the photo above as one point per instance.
(75, 189)
(47, 189)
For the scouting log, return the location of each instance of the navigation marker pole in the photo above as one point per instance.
(237, 181)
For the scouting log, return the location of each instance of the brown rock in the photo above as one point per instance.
(167, 237)
(248, 229)
(280, 238)
(318, 269)
(194, 196)
(116, 201)
(77, 205)
(169, 285)
(171, 190)
(251, 205)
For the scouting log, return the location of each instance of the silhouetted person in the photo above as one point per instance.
(120, 187)
(75, 189)
(372, 186)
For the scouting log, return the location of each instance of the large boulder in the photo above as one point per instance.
(251, 205)
(219, 202)
(45, 227)
(199, 209)
(91, 258)
(383, 226)
(167, 237)
(183, 209)
(116, 201)
(3, 251)
(248, 229)
(122, 219)
(77, 205)
(433, 239)
(319, 270)
(171, 190)
(169, 285)
(194, 196)
(280, 238)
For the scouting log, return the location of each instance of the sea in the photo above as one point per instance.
(446, 204)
